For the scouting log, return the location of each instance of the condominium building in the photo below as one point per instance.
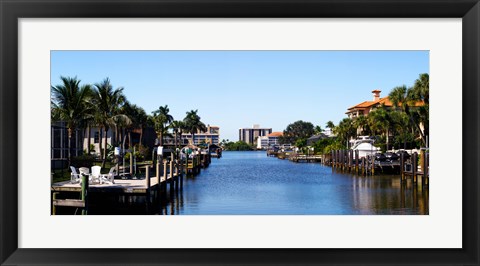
(210, 136)
(250, 135)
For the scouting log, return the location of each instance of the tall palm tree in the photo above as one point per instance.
(402, 98)
(422, 87)
(162, 118)
(361, 123)
(177, 127)
(108, 102)
(345, 130)
(138, 118)
(193, 124)
(330, 125)
(69, 103)
(379, 121)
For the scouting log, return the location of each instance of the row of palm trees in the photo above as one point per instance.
(163, 121)
(407, 120)
(82, 107)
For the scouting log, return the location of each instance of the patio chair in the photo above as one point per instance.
(110, 177)
(74, 176)
(84, 170)
(96, 174)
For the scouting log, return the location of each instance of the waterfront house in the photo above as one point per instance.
(313, 139)
(262, 143)
(274, 138)
(148, 138)
(59, 144)
(363, 108)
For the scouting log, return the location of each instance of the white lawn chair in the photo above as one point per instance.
(110, 177)
(84, 170)
(74, 176)
(96, 174)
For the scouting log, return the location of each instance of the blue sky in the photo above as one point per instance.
(234, 89)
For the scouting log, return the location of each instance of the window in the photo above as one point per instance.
(96, 137)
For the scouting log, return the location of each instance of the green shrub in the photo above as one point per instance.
(84, 160)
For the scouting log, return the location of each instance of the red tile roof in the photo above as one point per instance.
(275, 134)
(385, 100)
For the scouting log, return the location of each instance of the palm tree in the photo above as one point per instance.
(345, 130)
(177, 127)
(361, 123)
(379, 121)
(318, 130)
(139, 119)
(421, 88)
(402, 98)
(108, 102)
(161, 118)
(70, 104)
(330, 125)
(193, 124)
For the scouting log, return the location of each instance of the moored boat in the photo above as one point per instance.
(365, 147)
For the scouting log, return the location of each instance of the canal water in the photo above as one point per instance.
(250, 183)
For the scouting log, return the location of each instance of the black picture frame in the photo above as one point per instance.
(11, 11)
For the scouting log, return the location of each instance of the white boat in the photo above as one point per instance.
(364, 145)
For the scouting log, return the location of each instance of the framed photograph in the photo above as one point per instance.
(239, 132)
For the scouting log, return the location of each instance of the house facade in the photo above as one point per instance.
(59, 144)
(210, 136)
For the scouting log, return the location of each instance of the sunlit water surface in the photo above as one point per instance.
(251, 183)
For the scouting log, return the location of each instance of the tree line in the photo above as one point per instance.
(407, 121)
(82, 107)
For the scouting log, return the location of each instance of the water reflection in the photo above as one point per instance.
(251, 183)
(388, 195)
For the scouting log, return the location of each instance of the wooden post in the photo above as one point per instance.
(373, 164)
(363, 166)
(422, 165)
(158, 177)
(333, 158)
(356, 161)
(176, 167)
(342, 160)
(148, 184)
(350, 163)
(54, 208)
(147, 177)
(165, 175)
(131, 164)
(427, 163)
(85, 194)
(402, 167)
(172, 179)
(414, 167)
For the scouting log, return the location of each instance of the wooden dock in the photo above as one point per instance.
(349, 161)
(297, 158)
(152, 185)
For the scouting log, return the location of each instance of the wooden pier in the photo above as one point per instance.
(297, 158)
(152, 186)
(349, 161)
(412, 169)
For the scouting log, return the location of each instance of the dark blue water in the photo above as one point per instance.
(252, 183)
